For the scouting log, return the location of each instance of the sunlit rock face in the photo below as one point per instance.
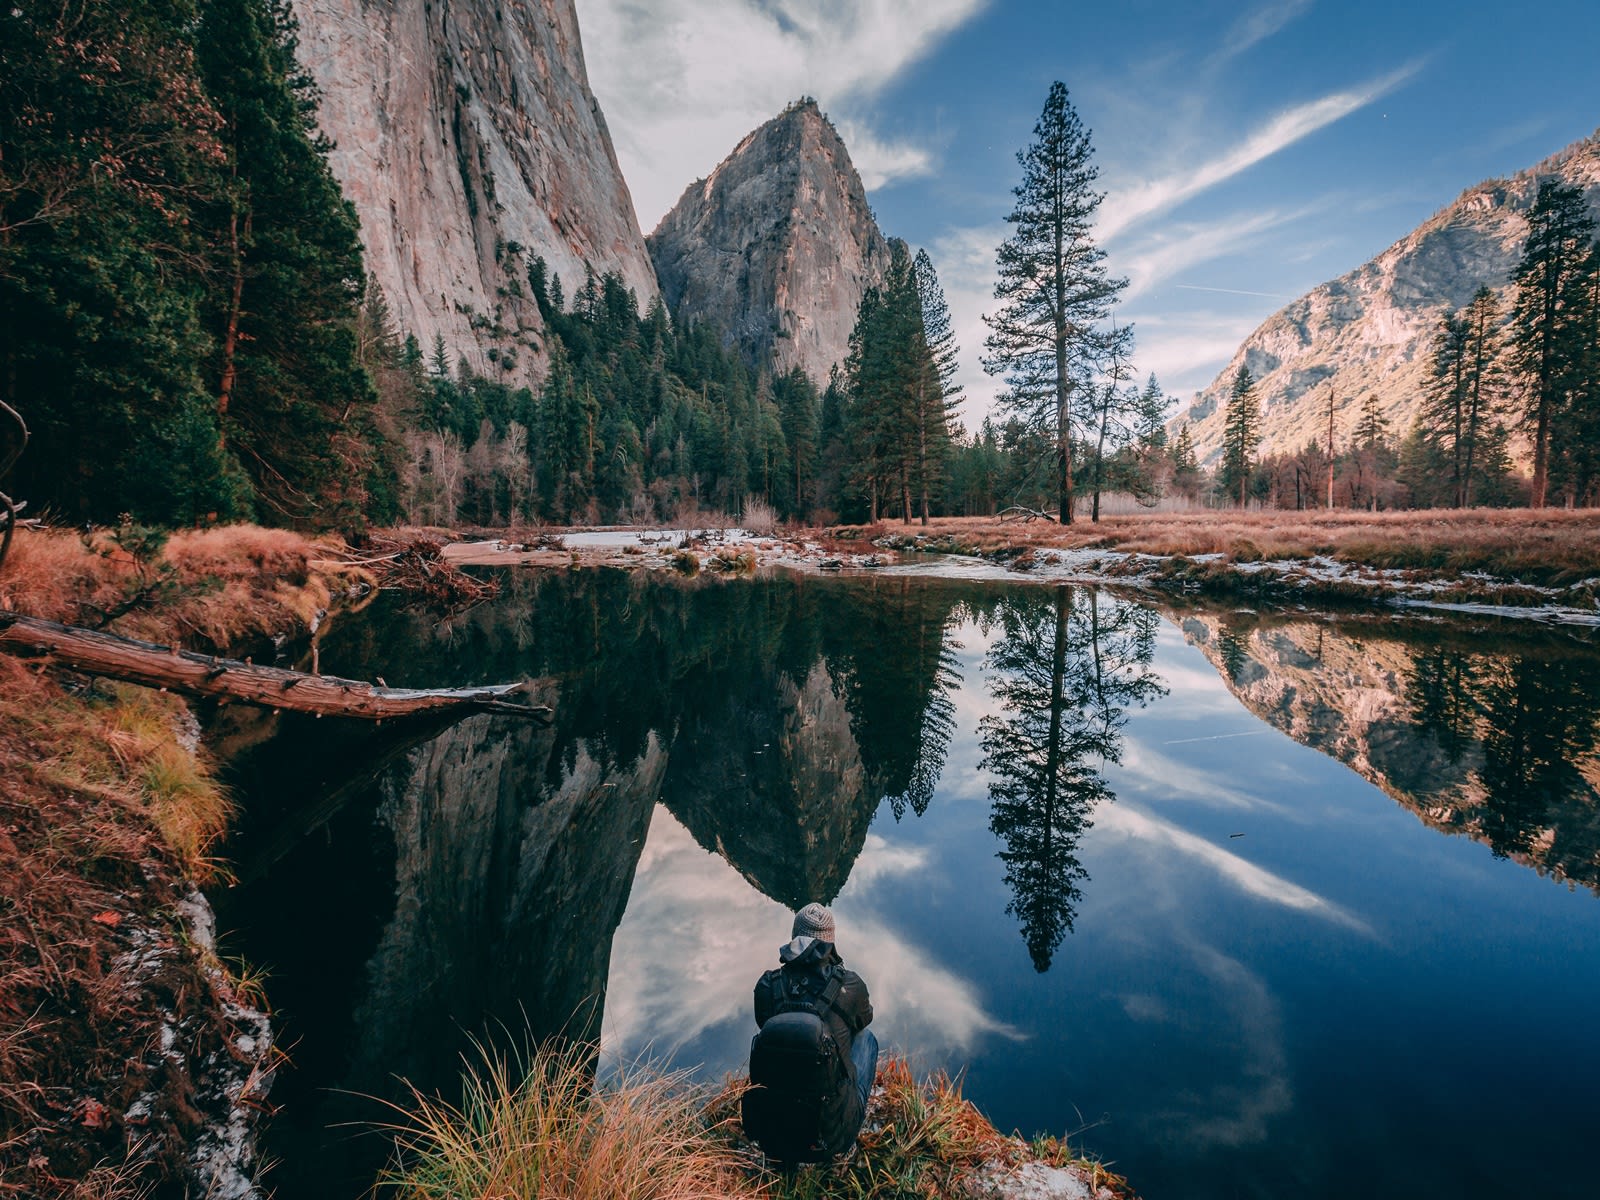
(777, 246)
(772, 780)
(462, 131)
(1473, 736)
(512, 872)
(1371, 331)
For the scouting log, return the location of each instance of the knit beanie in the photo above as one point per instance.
(814, 920)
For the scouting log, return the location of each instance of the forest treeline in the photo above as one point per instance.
(186, 326)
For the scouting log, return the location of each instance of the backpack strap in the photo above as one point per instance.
(825, 1001)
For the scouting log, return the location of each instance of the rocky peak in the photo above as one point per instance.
(1369, 332)
(469, 142)
(776, 246)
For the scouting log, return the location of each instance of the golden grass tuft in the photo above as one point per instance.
(50, 573)
(542, 1128)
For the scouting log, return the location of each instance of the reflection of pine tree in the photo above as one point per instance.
(1234, 650)
(890, 644)
(1064, 675)
(1541, 717)
(938, 723)
(1440, 692)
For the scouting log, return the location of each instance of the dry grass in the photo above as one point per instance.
(1553, 546)
(212, 588)
(545, 1130)
(542, 1129)
(108, 814)
(104, 814)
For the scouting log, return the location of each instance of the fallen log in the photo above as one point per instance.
(226, 679)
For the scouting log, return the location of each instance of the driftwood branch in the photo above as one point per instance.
(1018, 512)
(228, 679)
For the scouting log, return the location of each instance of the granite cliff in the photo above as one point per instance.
(1370, 331)
(776, 246)
(467, 138)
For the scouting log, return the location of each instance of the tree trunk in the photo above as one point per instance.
(225, 679)
(230, 335)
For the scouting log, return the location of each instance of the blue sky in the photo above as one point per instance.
(1248, 151)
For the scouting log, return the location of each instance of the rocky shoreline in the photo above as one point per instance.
(1295, 581)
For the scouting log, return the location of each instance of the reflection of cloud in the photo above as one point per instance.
(880, 860)
(696, 937)
(1238, 1113)
(1163, 775)
(1246, 876)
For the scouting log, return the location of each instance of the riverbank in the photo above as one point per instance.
(133, 1061)
(542, 1127)
(1543, 564)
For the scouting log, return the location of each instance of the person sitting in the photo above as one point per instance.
(813, 1061)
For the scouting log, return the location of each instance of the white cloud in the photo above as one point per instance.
(1257, 26)
(879, 162)
(1186, 351)
(1163, 254)
(1125, 207)
(681, 81)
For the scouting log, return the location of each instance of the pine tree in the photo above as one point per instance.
(939, 394)
(1547, 326)
(799, 413)
(1241, 434)
(108, 157)
(1053, 286)
(1109, 402)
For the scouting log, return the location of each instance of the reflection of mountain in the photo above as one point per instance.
(1065, 669)
(508, 886)
(780, 761)
(1491, 737)
(471, 884)
(770, 777)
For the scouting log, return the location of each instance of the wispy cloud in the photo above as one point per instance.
(1195, 287)
(1255, 27)
(1244, 875)
(681, 81)
(1163, 254)
(1126, 207)
(881, 162)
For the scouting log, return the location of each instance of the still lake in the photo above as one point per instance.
(1252, 904)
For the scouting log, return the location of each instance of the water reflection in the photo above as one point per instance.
(1064, 670)
(1492, 733)
(725, 751)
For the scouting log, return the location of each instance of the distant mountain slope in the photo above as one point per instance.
(1370, 331)
(777, 246)
(462, 132)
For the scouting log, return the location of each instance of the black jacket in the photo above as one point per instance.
(854, 1003)
(840, 1116)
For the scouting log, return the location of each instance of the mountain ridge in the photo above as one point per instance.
(1368, 331)
(776, 245)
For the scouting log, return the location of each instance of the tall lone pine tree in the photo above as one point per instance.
(1053, 287)
(1241, 434)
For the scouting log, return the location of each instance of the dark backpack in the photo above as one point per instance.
(800, 1083)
